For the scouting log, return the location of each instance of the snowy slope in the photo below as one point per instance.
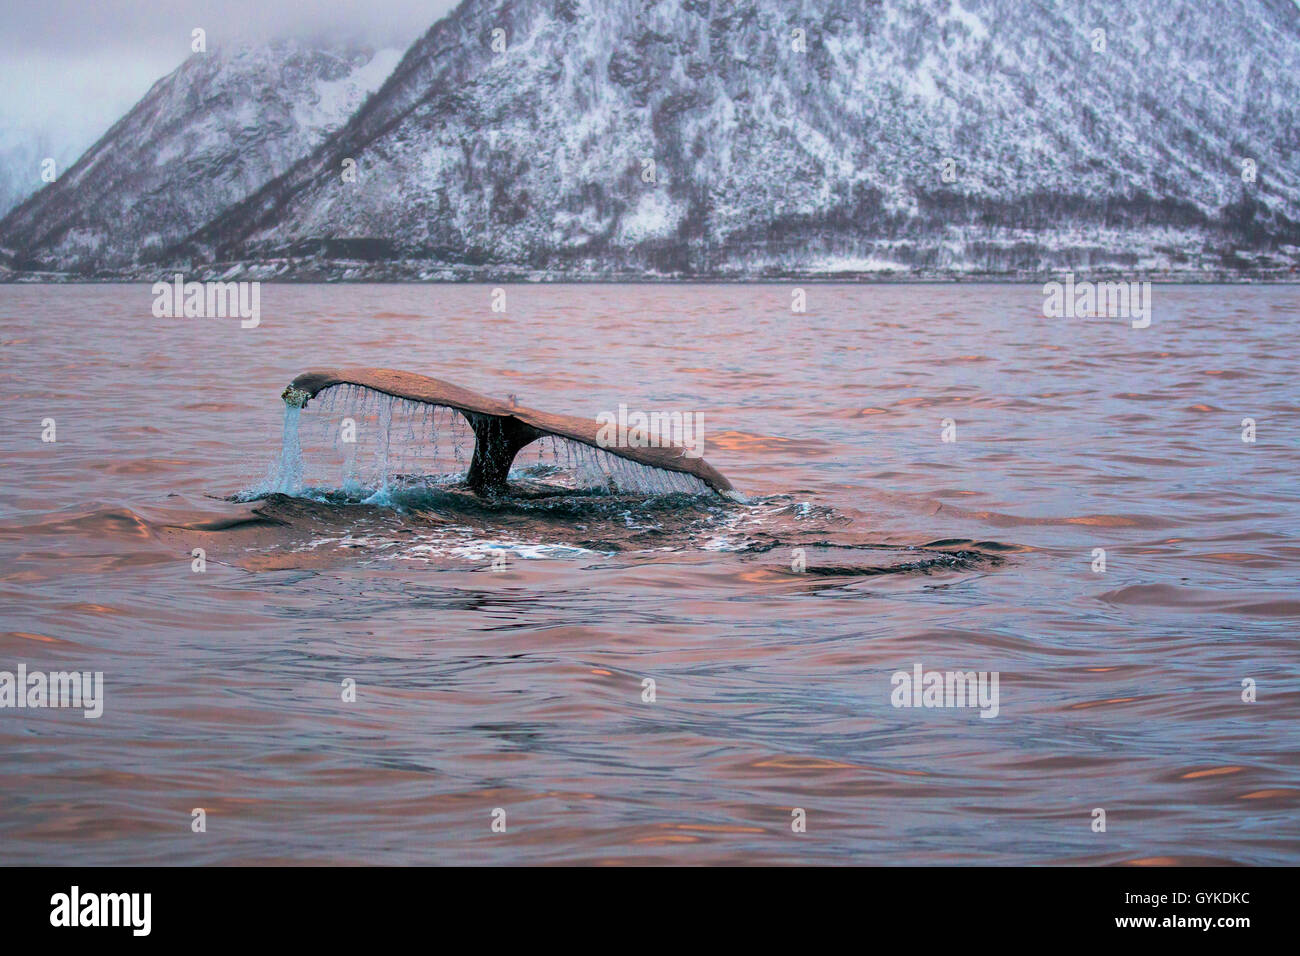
(770, 160)
(205, 136)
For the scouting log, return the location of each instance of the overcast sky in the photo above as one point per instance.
(78, 65)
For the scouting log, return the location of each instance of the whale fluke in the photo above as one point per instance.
(501, 429)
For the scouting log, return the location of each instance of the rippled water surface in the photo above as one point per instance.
(522, 688)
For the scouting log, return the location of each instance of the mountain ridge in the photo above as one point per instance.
(912, 138)
(203, 137)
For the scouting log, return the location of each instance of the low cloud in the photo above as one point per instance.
(151, 27)
(69, 69)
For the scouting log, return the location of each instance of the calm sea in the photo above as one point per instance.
(771, 629)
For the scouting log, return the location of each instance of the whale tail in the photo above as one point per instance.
(502, 429)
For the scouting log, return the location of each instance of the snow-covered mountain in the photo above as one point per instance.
(763, 137)
(1061, 146)
(205, 136)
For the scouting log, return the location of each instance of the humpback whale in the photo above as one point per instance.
(500, 429)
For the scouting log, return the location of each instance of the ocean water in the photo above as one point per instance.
(499, 651)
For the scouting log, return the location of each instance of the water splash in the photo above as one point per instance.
(376, 448)
(285, 475)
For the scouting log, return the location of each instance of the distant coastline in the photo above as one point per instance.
(392, 274)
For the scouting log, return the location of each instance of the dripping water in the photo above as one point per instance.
(285, 476)
(369, 446)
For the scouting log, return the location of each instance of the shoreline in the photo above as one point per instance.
(259, 273)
